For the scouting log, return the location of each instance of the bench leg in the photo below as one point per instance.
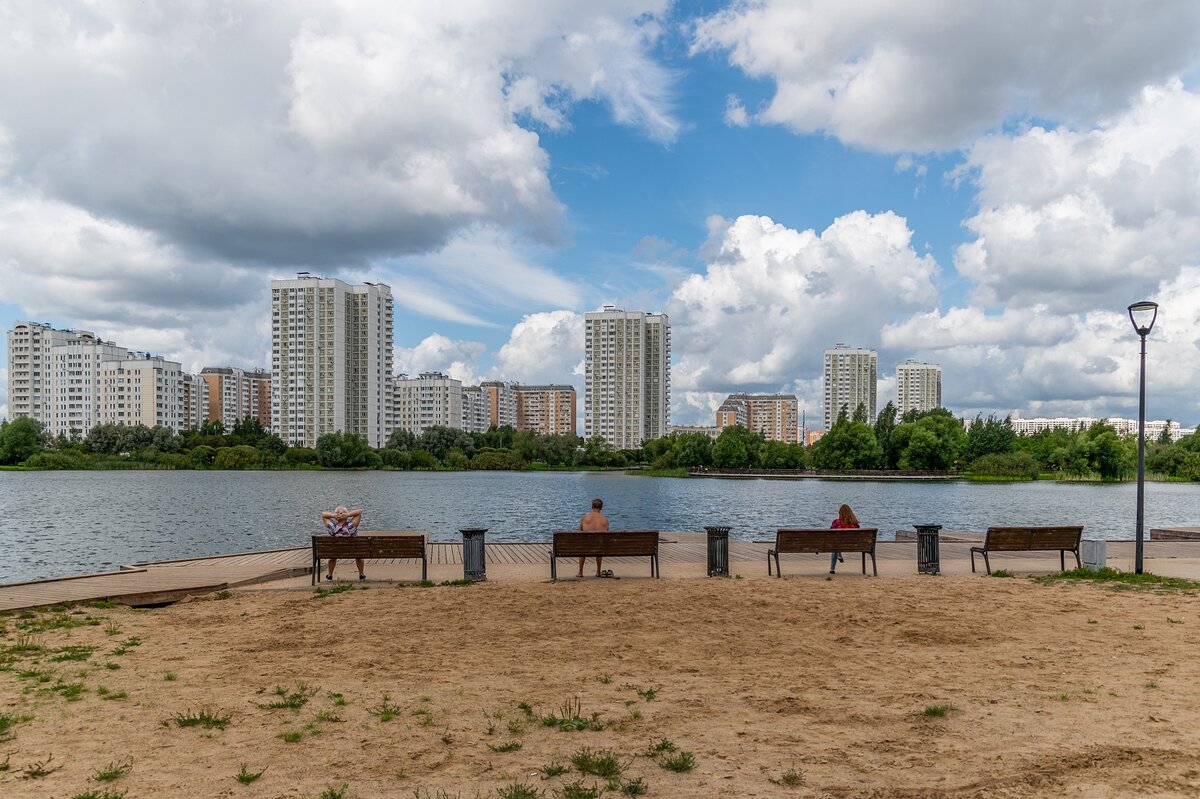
(972, 560)
(654, 566)
(987, 564)
(316, 569)
(768, 563)
(874, 567)
(778, 568)
(1078, 562)
(864, 557)
(425, 569)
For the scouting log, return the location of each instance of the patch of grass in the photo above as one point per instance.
(601, 763)
(553, 769)
(246, 777)
(937, 711)
(112, 666)
(107, 793)
(1062, 697)
(570, 718)
(648, 693)
(204, 717)
(106, 693)
(25, 644)
(577, 790)
(288, 700)
(112, 629)
(76, 653)
(337, 699)
(515, 726)
(57, 621)
(8, 721)
(635, 715)
(679, 762)
(335, 793)
(385, 710)
(39, 676)
(104, 604)
(114, 770)
(329, 717)
(170, 676)
(1151, 684)
(70, 691)
(792, 778)
(525, 708)
(126, 645)
(605, 679)
(40, 768)
(1002, 573)
(511, 746)
(518, 790)
(222, 594)
(1123, 580)
(660, 747)
(290, 736)
(320, 592)
(634, 787)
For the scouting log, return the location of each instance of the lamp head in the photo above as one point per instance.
(1142, 315)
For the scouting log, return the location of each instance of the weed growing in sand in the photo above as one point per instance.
(7, 722)
(107, 793)
(570, 718)
(321, 593)
(293, 700)
(1002, 573)
(1121, 580)
(245, 776)
(1062, 697)
(112, 666)
(385, 710)
(605, 679)
(553, 769)
(525, 708)
(335, 793)
(106, 693)
(290, 736)
(170, 676)
(601, 763)
(447, 738)
(679, 762)
(26, 644)
(208, 719)
(660, 747)
(648, 693)
(70, 691)
(126, 645)
(577, 790)
(635, 715)
(328, 716)
(40, 769)
(114, 770)
(635, 787)
(511, 746)
(792, 778)
(75, 653)
(937, 711)
(4, 766)
(1092, 621)
(112, 628)
(1139, 626)
(58, 621)
(222, 594)
(1152, 684)
(337, 699)
(43, 676)
(518, 790)
(1174, 621)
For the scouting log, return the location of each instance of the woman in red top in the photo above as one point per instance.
(845, 520)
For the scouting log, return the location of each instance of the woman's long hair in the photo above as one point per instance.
(847, 517)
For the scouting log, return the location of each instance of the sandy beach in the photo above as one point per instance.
(800, 687)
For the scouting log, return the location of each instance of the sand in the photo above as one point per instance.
(1057, 690)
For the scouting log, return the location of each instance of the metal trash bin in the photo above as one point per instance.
(718, 550)
(928, 550)
(474, 554)
(1095, 554)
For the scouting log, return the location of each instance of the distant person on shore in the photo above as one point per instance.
(846, 520)
(594, 522)
(341, 521)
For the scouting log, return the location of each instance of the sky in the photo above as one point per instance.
(981, 185)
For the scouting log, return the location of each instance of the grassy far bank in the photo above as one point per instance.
(934, 442)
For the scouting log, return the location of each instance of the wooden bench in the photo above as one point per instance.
(373, 545)
(612, 544)
(821, 540)
(1030, 539)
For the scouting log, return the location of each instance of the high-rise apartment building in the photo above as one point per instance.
(141, 390)
(627, 376)
(549, 410)
(773, 416)
(502, 402)
(234, 394)
(195, 401)
(29, 346)
(429, 400)
(331, 357)
(918, 387)
(850, 375)
(476, 417)
(73, 403)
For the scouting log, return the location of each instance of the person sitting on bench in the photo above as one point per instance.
(341, 521)
(594, 522)
(846, 520)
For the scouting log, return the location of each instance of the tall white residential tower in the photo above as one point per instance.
(918, 387)
(331, 357)
(627, 376)
(849, 381)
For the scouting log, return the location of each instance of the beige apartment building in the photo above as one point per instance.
(429, 400)
(234, 394)
(918, 387)
(502, 402)
(141, 390)
(548, 410)
(627, 376)
(29, 346)
(850, 381)
(773, 416)
(331, 357)
(476, 416)
(195, 401)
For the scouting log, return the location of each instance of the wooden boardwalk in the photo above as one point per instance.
(168, 581)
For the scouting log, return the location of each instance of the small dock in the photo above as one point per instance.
(682, 555)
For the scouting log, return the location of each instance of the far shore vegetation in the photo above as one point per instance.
(936, 442)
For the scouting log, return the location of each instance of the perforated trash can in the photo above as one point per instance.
(718, 550)
(474, 554)
(928, 549)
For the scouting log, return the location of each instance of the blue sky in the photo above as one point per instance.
(977, 186)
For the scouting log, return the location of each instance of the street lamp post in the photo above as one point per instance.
(1142, 315)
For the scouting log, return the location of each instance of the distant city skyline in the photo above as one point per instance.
(987, 192)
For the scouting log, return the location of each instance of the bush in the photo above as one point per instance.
(52, 459)
(1019, 465)
(395, 459)
(300, 455)
(243, 456)
(497, 459)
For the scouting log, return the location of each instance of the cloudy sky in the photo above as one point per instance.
(977, 184)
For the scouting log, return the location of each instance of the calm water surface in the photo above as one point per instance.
(56, 523)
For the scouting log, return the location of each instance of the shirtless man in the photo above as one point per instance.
(593, 522)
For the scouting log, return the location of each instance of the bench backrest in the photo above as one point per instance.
(615, 543)
(826, 540)
(1023, 539)
(369, 546)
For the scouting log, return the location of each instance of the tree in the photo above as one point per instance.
(243, 456)
(438, 441)
(691, 450)
(20, 439)
(989, 436)
(860, 414)
(847, 445)
(935, 443)
(248, 430)
(403, 440)
(737, 448)
(343, 451)
(885, 423)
